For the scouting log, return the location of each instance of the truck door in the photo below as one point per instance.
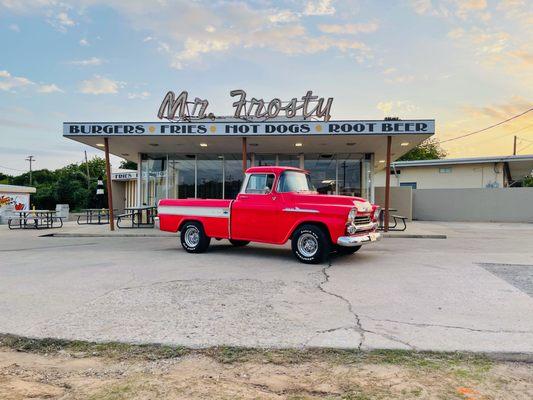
(256, 213)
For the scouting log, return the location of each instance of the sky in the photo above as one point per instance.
(467, 64)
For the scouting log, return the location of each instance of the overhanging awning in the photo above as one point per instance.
(127, 139)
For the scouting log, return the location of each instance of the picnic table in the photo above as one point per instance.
(140, 217)
(94, 216)
(395, 219)
(35, 219)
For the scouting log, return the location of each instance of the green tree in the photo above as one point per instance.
(528, 181)
(427, 150)
(128, 165)
(67, 185)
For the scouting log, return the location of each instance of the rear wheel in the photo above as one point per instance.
(193, 238)
(343, 250)
(239, 243)
(310, 244)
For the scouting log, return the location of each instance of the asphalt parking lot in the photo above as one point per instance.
(472, 291)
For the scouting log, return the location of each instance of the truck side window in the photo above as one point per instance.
(260, 184)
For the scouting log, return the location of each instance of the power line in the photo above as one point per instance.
(12, 169)
(487, 128)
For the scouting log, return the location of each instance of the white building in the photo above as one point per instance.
(459, 173)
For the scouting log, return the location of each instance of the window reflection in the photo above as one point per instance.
(349, 174)
(323, 171)
(181, 176)
(209, 176)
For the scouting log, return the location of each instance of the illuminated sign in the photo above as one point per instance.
(181, 108)
(240, 128)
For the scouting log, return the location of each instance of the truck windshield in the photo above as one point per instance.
(294, 181)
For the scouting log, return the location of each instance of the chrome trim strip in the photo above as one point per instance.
(366, 227)
(301, 210)
(350, 241)
(195, 211)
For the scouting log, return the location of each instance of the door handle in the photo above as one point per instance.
(274, 197)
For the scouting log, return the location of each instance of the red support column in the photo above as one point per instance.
(108, 181)
(387, 185)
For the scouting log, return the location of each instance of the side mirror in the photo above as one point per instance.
(266, 190)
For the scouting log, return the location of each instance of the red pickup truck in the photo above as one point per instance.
(275, 204)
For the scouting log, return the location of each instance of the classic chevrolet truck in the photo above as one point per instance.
(275, 204)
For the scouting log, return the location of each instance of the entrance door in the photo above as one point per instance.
(256, 213)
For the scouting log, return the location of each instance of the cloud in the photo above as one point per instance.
(84, 42)
(142, 95)
(14, 28)
(319, 7)
(349, 29)
(51, 88)
(396, 108)
(100, 85)
(90, 62)
(60, 20)
(9, 82)
(284, 16)
(190, 32)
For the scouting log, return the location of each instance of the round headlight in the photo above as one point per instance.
(352, 214)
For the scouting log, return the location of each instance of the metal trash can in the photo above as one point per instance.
(62, 210)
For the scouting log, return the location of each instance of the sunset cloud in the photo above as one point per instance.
(100, 85)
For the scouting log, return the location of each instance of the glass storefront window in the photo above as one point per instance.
(209, 176)
(349, 174)
(261, 160)
(154, 174)
(233, 175)
(181, 176)
(289, 160)
(217, 176)
(323, 169)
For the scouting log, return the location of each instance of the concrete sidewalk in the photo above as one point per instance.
(472, 291)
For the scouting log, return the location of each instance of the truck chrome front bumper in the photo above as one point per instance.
(351, 241)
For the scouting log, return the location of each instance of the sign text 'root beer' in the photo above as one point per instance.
(173, 107)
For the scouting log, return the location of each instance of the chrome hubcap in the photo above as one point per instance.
(192, 236)
(307, 245)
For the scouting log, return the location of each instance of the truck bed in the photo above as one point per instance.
(213, 213)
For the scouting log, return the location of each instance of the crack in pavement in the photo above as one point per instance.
(358, 327)
(425, 325)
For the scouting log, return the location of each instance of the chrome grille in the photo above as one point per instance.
(361, 220)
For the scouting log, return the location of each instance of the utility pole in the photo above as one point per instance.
(87, 169)
(31, 159)
(514, 146)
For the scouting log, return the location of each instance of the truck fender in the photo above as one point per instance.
(319, 224)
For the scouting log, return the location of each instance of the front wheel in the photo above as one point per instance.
(239, 243)
(193, 238)
(344, 250)
(310, 244)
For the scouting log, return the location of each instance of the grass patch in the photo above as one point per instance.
(467, 365)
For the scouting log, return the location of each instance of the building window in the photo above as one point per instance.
(349, 174)
(209, 176)
(323, 168)
(182, 176)
(289, 160)
(233, 175)
(408, 184)
(445, 170)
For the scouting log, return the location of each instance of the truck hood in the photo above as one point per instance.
(325, 199)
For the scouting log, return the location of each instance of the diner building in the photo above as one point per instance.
(207, 158)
